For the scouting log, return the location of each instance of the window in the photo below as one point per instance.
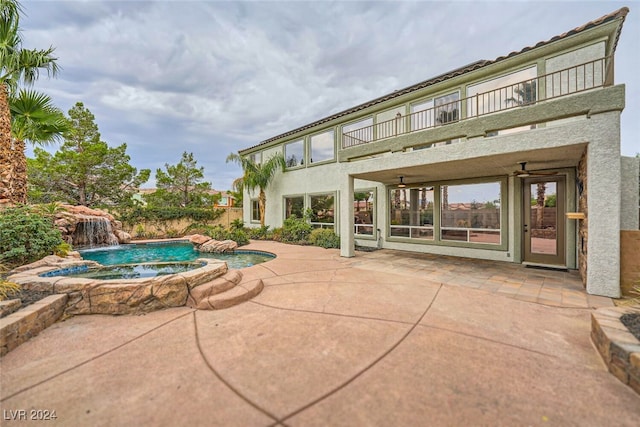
(422, 115)
(322, 147)
(255, 210)
(390, 122)
(411, 213)
(256, 158)
(357, 133)
(294, 206)
(470, 213)
(504, 92)
(447, 108)
(363, 211)
(294, 153)
(322, 210)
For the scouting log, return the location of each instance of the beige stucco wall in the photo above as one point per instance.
(176, 228)
(629, 197)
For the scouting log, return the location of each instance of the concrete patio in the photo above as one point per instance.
(385, 338)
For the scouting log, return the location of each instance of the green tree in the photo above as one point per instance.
(17, 65)
(85, 171)
(257, 176)
(182, 185)
(37, 120)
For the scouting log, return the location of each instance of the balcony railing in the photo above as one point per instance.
(579, 78)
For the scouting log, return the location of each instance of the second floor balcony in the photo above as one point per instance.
(481, 102)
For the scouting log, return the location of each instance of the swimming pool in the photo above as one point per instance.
(169, 252)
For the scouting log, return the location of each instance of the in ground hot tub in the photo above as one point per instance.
(125, 271)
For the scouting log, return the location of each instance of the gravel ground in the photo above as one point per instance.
(632, 322)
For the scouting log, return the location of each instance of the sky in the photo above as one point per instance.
(213, 78)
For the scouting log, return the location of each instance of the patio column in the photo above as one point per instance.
(347, 248)
(603, 211)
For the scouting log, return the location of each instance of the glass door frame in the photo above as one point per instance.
(529, 256)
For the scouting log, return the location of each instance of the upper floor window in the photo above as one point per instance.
(356, 133)
(322, 146)
(447, 108)
(256, 158)
(390, 123)
(294, 153)
(422, 115)
(503, 92)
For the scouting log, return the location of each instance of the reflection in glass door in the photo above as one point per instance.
(543, 220)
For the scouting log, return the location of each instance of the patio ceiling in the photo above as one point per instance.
(491, 165)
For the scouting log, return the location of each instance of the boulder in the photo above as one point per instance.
(122, 236)
(216, 246)
(198, 239)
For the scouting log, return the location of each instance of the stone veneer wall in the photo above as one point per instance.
(25, 324)
(583, 225)
(619, 349)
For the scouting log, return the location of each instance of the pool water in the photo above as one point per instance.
(138, 271)
(167, 252)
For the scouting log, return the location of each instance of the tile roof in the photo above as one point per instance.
(618, 14)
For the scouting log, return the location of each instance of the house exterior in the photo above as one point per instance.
(514, 159)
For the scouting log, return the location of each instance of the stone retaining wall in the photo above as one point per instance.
(20, 326)
(619, 349)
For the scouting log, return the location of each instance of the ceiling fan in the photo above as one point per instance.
(523, 172)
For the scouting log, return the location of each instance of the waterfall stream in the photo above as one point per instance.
(94, 231)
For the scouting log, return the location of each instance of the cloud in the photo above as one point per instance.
(217, 77)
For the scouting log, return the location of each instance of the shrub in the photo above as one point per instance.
(62, 250)
(324, 238)
(261, 233)
(139, 232)
(276, 234)
(237, 224)
(239, 236)
(296, 230)
(26, 236)
(8, 289)
(140, 214)
(172, 232)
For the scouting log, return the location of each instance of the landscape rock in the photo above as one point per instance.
(198, 239)
(123, 236)
(216, 246)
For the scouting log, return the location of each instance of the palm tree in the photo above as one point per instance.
(16, 65)
(257, 176)
(37, 120)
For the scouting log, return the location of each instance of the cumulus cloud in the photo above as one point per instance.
(216, 77)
